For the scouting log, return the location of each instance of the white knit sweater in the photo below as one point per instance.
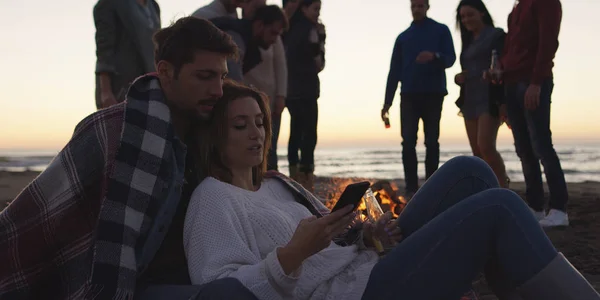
(232, 232)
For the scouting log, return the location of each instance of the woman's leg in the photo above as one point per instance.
(486, 142)
(440, 260)
(471, 126)
(455, 180)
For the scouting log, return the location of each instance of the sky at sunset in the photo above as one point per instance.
(47, 54)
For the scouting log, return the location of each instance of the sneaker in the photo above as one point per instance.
(539, 215)
(555, 218)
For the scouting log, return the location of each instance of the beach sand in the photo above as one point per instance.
(580, 242)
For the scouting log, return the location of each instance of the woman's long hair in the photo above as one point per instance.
(465, 35)
(211, 137)
(299, 14)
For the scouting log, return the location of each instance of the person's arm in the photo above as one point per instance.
(219, 243)
(395, 74)
(280, 65)
(549, 15)
(447, 55)
(234, 66)
(106, 31)
(157, 7)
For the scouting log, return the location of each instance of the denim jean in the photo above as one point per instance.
(220, 289)
(415, 107)
(458, 225)
(272, 160)
(304, 115)
(533, 143)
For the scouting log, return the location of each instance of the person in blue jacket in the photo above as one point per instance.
(421, 55)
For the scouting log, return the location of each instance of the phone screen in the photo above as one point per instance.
(352, 195)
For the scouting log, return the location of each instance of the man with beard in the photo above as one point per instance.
(271, 77)
(105, 219)
(251, 35)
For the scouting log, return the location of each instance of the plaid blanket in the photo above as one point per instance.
(72, 232)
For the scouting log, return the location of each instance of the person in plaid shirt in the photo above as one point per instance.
(105, 219)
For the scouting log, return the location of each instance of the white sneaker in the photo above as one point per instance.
(555, 218)
(539, 215)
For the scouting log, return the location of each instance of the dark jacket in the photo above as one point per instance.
(429, 78)
(124, 47)
(496, 91)
(303, 72)
(241, 32)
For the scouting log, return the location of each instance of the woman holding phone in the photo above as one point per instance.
(281, 242)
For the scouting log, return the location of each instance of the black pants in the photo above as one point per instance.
(415, 107)
(304, 114)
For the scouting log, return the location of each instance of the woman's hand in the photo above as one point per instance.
(385, 230)
(460, 78)
(313, 235)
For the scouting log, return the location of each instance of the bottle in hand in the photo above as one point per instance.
(386, 120)
(495, 70)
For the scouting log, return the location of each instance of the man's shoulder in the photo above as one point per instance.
(112, 117)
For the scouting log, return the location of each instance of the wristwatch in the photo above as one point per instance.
(437, 55)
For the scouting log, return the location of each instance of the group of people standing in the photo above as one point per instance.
(505, 77)
(167, 196)
(282, 52)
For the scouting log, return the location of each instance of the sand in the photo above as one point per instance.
(580, 242)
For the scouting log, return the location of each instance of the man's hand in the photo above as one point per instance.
(107, 98)
(385, 230)
(425, 57)
(385, 110)
(279, 106)
(460, 78)
(532, 96)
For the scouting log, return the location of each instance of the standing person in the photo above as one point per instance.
(219, 8)
(269, 76)
(479, 102)
(261, 32)
(531, 45)
(124, 49)
(290, 7)
(105, 219)
(305, 60)
(419, 59)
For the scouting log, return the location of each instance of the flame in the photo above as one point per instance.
(336, 186)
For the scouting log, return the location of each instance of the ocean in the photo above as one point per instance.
(580, 162)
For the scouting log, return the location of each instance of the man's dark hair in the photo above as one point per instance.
(178, 43)
(270, 14)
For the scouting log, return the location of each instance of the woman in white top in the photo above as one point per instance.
(258, 230)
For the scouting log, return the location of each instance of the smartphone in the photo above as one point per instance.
(352, 195)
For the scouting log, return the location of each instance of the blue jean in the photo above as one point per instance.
(415, 107)
(456, 226)
(272, 161)
(533, 143)
(220, 289)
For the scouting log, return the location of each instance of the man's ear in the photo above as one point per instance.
(165, 70)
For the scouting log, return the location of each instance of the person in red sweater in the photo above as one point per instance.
(529, 50)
